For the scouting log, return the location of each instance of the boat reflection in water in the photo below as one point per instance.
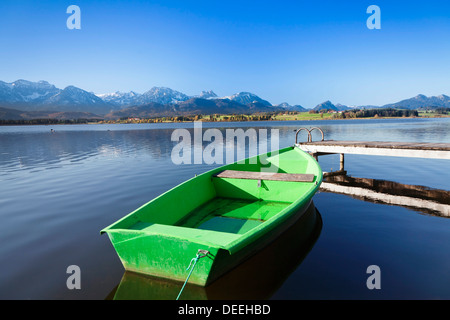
(257, 278)
(419, 198)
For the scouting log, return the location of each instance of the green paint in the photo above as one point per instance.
(231, 218)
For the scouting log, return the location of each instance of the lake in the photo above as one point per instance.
(58, 190)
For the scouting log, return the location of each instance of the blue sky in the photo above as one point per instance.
(301, 52)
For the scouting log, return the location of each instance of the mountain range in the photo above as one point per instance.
(422, 101)
(42, 96)
(23, 99)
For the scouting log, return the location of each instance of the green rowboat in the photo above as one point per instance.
(221, 217)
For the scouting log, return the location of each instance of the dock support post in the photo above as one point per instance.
(341, 162)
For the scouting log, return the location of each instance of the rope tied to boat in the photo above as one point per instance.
(200, 254)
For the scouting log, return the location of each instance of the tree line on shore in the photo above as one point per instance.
(374, 113)
(46, 121)
(355, 113)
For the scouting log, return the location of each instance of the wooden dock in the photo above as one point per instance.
(374, 148)
(378, 148)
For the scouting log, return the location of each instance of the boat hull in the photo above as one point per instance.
(165, 248)
(258, 277)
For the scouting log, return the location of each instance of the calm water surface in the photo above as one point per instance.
(58, 190)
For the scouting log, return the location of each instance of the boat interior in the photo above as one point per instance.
(233, 199)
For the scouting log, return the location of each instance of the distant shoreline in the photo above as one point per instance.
(287, 116)
(219, 120)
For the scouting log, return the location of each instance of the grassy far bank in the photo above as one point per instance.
(281, 116)
(227, 118)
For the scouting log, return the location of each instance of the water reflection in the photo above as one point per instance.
(420, 198)
(40, 151)
(257, 278)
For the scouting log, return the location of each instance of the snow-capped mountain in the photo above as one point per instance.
(246, 98)
(120, 98)
(23, 91)
(165, 96)
(207, 95)
(161, 95)
(34, 96)
(76, 99)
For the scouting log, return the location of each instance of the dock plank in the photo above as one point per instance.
(384, 148)
(383, 144)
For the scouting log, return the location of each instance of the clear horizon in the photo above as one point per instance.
(294, 52)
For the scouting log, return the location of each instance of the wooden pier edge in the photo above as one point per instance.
(377, 148)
